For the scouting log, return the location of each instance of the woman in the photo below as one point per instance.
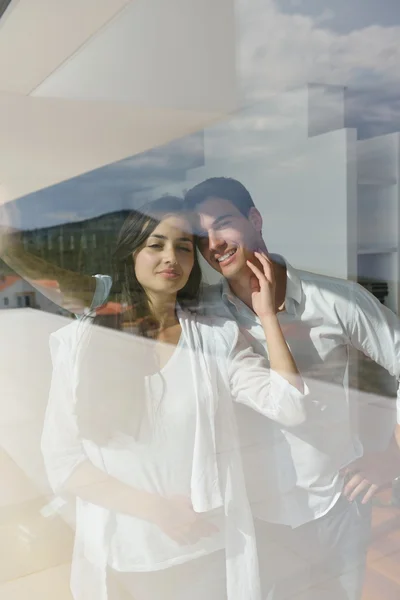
(140, 427)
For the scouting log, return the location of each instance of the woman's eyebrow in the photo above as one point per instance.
(156, 235)
(164, 237)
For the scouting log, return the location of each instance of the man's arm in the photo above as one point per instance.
(375, 330)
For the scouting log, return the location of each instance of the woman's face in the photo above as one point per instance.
(164, 263)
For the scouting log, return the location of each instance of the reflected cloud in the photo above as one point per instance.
(343, 16)
(111, 188)
(282, 46)
(280, 51)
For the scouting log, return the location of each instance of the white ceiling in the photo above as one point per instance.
(84, 83)
(175, 54)
(37, 36)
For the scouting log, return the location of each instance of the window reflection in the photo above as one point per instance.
(279, 134)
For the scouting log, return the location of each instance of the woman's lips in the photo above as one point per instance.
(169, 274)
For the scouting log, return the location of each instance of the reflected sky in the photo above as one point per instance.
(110, 188)
(343, 16)
(281, 45)
(284, 44)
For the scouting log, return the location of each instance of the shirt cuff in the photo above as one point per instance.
(103, 287)
(290, 400)
(283, 385)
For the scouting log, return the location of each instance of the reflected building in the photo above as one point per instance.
(80, 247)
(84, 246)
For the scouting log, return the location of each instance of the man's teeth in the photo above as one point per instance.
(225, 256)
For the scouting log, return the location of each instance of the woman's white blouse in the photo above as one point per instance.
(216, 366)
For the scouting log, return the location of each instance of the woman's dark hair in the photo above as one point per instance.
(126, 290)
(100, 413)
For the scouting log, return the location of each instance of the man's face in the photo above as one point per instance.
(227, 238)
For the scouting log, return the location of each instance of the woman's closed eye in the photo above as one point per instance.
(157, 246)
(223, 224)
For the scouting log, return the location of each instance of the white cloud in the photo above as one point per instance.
(281, 51)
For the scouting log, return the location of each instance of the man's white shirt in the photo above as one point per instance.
(292, 474)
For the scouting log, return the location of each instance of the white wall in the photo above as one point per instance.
(305, 187)
(24, 287)
(25, 374)
(11, 292)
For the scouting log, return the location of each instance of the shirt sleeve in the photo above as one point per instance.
(61, 444)
(375, 331)
(257, 386)
(103, 287)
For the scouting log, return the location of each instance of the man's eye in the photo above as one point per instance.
(223, 224)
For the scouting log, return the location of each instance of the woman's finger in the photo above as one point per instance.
(257, 272)
(266, 263)
(267, 258)
(254, 284)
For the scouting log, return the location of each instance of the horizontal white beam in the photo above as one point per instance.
(44, 141)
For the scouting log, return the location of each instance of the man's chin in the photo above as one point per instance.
(232, 271)
(229, 272)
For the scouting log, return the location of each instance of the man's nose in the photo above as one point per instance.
(214, 240)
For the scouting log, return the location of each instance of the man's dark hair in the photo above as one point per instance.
(226, 188)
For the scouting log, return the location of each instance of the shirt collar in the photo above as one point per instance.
(227, 295)
(294, 290)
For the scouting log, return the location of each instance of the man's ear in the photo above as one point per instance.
(255, 219)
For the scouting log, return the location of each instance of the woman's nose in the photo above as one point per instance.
(170, 257)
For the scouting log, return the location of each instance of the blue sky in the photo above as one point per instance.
(344, 16)
(109, 188)
(282, 44)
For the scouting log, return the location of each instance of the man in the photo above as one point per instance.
(309, 485)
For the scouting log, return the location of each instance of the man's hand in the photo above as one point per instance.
(263, 286)
(371, 473)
